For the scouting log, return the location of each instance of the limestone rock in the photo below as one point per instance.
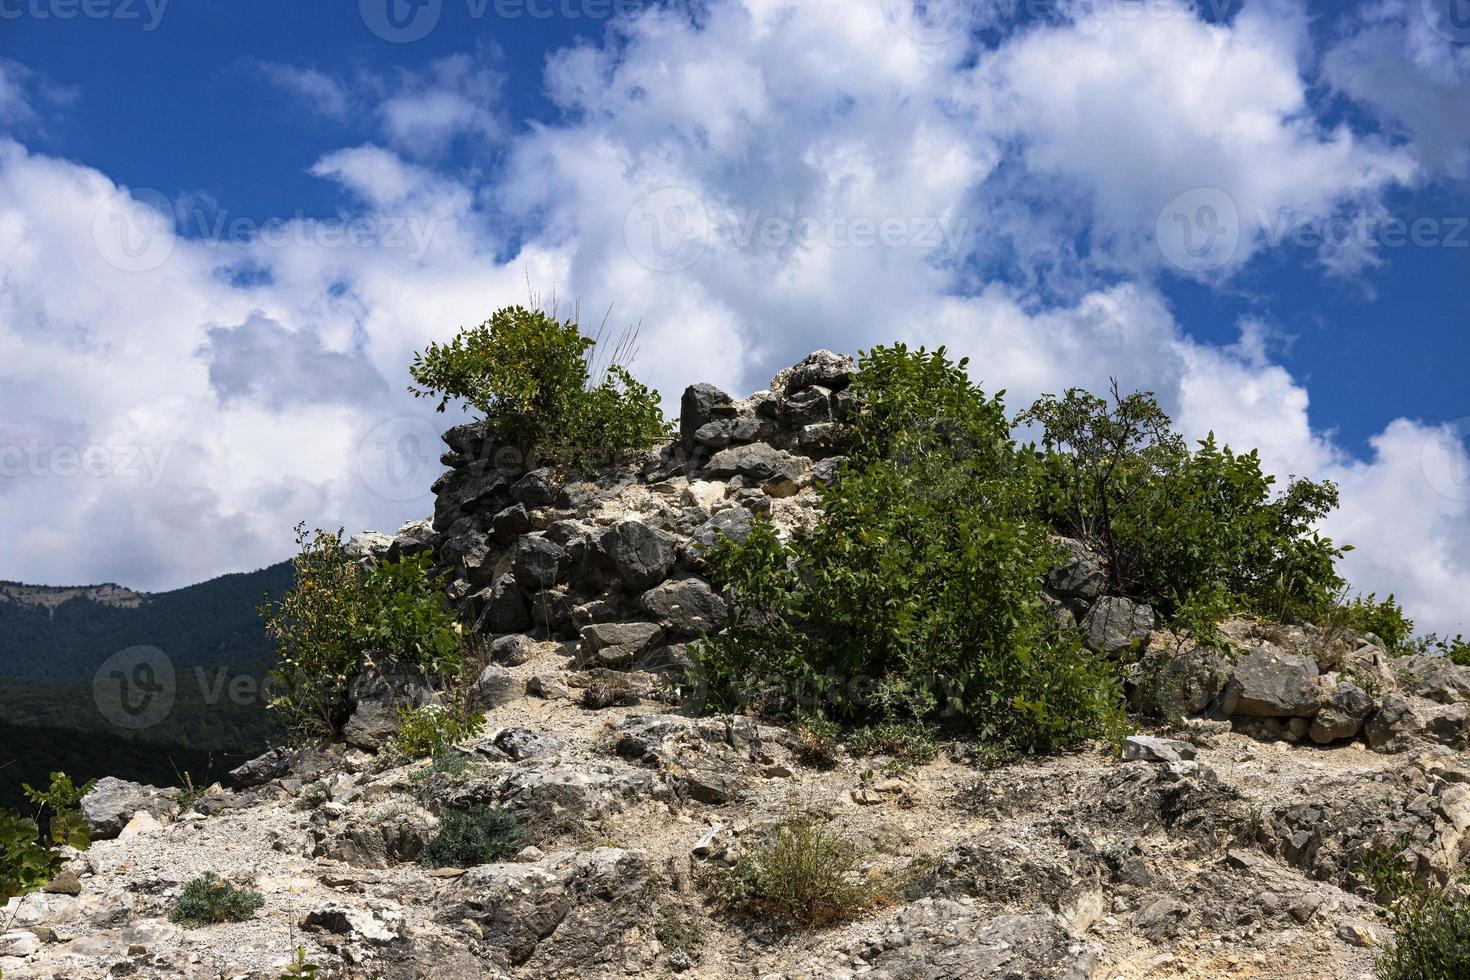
(113, 802)
(1269, 683)
(1115, 624)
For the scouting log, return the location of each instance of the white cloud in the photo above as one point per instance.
(321, 92)
(785, 177)
(454, 98)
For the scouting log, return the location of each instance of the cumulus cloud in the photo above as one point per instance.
(320, 92)
(778, 177)
(262, 361)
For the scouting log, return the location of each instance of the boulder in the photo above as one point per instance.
(1115, 624)
(522, 743)
(698, 407)
(641, 554)
(496, 686)
(687, 607)
(1148, 748)
(536, 489)
(538, 563)
(368, 546)
(272, 764)
(1081, 574)
(1436, 678)
(113, 803)
(505, 609)
(509, 524)
(413, 538)
(757, 463)
(1342, 716)
(832, 371)
(807, 407)
(511, 650)
(733, 523)
(1171, 684)
(1393, 727)
(564, 915)
(1269, 683)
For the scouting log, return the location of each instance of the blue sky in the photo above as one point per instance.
(1036, 163)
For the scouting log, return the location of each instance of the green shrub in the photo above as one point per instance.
(210, 899)
(26, 864)
(805, 872)
(917, 594)
(338, 616)
(1172, 523)
(1431, 926)
(1385, 620)
(909, 741)
(530, 375)
(468, 838)
(29, 859)
(432, 728)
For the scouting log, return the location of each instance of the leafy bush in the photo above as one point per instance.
(26, 863)
(908, 741)
(805, 872)
(530, 376)
(29, 859)
(917, 595)
(468, 838)
(1385, 619)
(1173, 523)
(429, 730)
(1431, 926)
(339, 616)
(210, 899)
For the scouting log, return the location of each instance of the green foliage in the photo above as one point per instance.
(26, 863)
(805, 872)
(530, 376)
(299, 966)
(1385, 619)
(313, 795)
(1431, 926)
(916, 597)
(429, 730)
(339, 616)
(468, 838)
(61, 799)
(210, 899)
(1181, 528)
(909, 741)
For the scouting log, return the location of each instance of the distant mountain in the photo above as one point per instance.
(71, 657)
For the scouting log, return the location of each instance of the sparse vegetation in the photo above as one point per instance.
(816, 739)
(209, 899)
(471, 837)
(907, 741)
(807, 873)
(535, 379)
(428, 730)
(341, 618)
(1431, 925)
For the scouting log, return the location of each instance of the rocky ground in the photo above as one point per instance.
(1221, 844)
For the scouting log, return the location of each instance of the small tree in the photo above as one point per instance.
(1175, 526)
(529, 374)
(338, 616)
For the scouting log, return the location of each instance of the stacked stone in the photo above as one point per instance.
(614, 563)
